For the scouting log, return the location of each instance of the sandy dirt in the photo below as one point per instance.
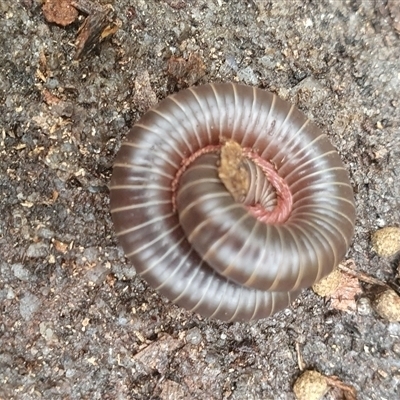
(76, 322)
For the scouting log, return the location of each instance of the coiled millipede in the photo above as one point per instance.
(232, 252)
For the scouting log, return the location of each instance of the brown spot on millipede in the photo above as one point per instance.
(212, 254)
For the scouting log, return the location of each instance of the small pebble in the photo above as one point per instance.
(248, 76)
(194, 336)
(91, 254)
(37, 250)
(45, 233)
(28, 305)
(21, 272)
(46, 331)
(364, 306)
(396, 348)
(10, 294)
(97, 274)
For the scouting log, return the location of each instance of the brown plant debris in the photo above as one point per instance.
(344, 298)
(186, 72)
(144, 96)
(49, 98)
(232, 171)
(60, 246)
(300, 361)
(340, 390)
(60, 12)
(99, 24)
(348, 267)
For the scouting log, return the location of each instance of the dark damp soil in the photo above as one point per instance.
(76, 322)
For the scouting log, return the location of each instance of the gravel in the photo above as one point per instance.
(76, 322)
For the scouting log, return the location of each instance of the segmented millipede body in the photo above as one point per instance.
(187, 235)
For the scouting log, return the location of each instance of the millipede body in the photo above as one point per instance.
(234, 258)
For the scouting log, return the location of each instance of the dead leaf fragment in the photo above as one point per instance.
(341, 288)
(60, 12)
(344, 298)
(98, 25)
(188, 71)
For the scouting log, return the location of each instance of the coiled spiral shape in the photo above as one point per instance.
(187, 236)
